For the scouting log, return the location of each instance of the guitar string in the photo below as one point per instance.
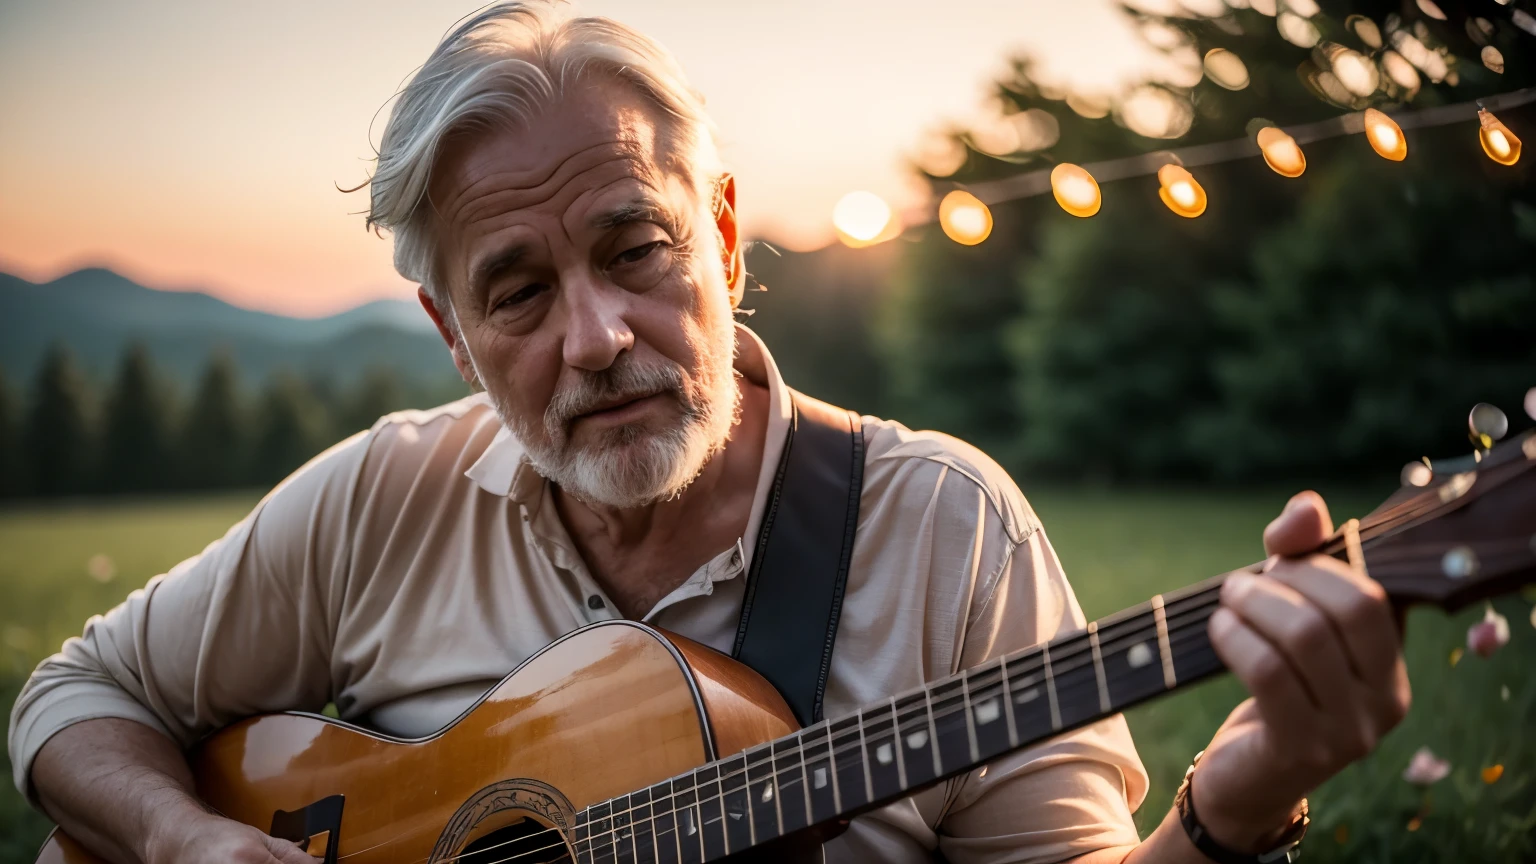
(1186, 629)
(1179, 622)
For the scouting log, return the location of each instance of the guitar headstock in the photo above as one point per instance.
(1459, 530)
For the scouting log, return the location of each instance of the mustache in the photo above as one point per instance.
(626, 380)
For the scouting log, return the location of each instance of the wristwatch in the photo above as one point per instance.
(1288, 849)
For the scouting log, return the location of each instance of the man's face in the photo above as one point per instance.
(589, 281)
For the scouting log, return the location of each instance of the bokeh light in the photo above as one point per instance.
(1075, 189)
(1365, 30)
(1281, 152)
(1297, 30)
(1156, 112)
(1180, 191)
(1416, 474)
(1355, 71)
(1385, 135)
(861, 218)
(1226, 69)
(1400, 71)
(1493, 58)
(1499, 143)
(964, 218)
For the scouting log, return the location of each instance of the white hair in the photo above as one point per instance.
(503, 64)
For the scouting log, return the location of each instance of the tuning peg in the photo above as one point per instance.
(1487, 424)
(1417, 474)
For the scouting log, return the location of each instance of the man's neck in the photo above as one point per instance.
(640, 555)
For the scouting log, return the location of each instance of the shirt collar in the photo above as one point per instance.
(504, 470)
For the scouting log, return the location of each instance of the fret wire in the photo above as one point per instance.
(1050, 687)
(970, 717)
(837, 798)
(1187, 629)
(773, 783)
(869, 783)
(1098, 666)
(901, 759)
(1170, 680)
(805, 777)
(933, 731)
(1013, 728)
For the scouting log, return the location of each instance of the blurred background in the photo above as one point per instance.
(190, 308)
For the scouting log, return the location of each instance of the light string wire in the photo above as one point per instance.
(1038, 182)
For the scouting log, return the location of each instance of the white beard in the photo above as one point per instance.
(631, 466)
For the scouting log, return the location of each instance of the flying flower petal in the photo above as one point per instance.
(1426, 768)
(1488, 635)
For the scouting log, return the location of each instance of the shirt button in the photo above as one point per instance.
(594, 602)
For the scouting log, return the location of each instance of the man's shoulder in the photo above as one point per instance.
(450, 436)
(895, 454)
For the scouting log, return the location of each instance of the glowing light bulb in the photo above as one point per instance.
(1499, 143)
(1180, 191)
(1385, 135)
(964, 218)
(1281, 152)
(1075, 189)
(861, 218)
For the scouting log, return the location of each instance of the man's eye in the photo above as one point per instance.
(638, 253)
(523, 295)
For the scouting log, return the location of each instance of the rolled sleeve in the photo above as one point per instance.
(243, 628)
(1068, 796)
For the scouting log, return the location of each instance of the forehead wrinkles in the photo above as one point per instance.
(503, 191)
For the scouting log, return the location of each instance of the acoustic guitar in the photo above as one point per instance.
(620, 743)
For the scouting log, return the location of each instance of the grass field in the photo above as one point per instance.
(1118, 548)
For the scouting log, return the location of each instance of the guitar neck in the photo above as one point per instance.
(837, 769)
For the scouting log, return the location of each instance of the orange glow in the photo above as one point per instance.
(1385, 135)
(1180, 191)
(964, 218)
(1075, 190)
(1499, 143)
(1281, 152)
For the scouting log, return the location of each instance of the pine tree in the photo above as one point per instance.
(57, 445)
(10, 442)
(213, 442)
(377, 394)
(136, 437)
(292, 426)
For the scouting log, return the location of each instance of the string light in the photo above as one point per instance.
(1281, 152)
(1180, 191)
(1075, 190)
(861, 219)
(1385, 135)
(964, 218)
(1499, 143)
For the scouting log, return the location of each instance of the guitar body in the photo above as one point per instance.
(608, 709)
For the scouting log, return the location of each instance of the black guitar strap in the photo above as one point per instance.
(794, 593)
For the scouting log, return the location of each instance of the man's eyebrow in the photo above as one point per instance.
(500, 260)
(638, 210)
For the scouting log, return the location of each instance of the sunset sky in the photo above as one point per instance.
(200, 145)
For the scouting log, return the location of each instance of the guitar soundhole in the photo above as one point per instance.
(523, 842)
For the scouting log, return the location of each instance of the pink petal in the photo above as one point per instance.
(1488, 635)
(1426, 768)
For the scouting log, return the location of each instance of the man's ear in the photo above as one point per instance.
(450, 336)
(732, 250)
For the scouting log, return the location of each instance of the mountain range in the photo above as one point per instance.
(97, 313)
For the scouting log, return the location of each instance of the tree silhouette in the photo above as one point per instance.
(136, 437)
(214, 440)
(10, 442)
(57, 445)
(291, 427)
(376, 394)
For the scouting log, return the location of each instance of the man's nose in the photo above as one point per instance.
(596, 332)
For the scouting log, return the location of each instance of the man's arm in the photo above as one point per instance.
(124, 791)
(244, 628)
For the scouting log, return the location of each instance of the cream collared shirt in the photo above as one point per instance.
(407, 569)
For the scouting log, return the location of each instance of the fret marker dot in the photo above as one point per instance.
(987, 711)
(734, 815)
(1029, 695)
(917, 739)
(767, 792)
(1139, 655)
(819, 778)
(883, 754)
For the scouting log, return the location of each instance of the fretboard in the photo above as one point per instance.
(839, 768)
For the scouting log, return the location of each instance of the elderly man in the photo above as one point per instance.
(553, 186)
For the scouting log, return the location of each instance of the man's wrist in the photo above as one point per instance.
(1218, 835)
(170, 816)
